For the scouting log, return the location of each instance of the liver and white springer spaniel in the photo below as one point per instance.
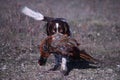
(53, 26)
(58, 42)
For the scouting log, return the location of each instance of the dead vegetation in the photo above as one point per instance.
(94, 24)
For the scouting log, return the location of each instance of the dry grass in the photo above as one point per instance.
(21, 35)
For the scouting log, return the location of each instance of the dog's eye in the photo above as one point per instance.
(60, 30)
(53, 30)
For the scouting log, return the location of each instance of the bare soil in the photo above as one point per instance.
(94, 23)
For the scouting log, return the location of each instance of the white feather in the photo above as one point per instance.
(35, 15)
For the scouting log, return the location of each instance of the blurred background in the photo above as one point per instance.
(95, 24)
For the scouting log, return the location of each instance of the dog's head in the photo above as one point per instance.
(58, 25)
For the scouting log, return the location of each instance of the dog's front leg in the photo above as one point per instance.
(64, 66)
(58, 59)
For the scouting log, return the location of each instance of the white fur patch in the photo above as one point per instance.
(57, 26)
(63, 64)
(35, 15)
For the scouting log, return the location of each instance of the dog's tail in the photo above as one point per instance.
(35, 15)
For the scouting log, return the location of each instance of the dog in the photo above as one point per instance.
(53, 26)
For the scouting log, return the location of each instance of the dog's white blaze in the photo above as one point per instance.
(57, 26)
(35, 15)
(63, 64)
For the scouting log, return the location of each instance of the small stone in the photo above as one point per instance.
(118, 66)
(98, 34)
(109, 70)
(4, 67)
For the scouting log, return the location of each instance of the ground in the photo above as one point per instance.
(95, 24)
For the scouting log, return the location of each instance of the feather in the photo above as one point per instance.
(87, 57)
